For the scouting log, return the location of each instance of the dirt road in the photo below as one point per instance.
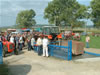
(29, 63)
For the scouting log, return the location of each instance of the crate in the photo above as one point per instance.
(77, 48)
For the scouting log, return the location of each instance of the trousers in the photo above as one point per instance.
(87, 44)
(45, 51)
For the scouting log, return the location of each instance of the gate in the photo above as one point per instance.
(1, 58)
(63, 52)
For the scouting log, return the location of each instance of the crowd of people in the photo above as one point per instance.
(27, 40)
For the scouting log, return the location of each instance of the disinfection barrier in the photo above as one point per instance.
(63, 52)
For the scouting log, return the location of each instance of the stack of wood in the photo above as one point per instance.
(77, 48)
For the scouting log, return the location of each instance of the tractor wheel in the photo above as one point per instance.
(4, 51)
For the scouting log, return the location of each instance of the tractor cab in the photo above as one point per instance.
(50, 31)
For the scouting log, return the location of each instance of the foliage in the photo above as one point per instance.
(94, 41)
(65, 12)
(95, 6)
(26, 19)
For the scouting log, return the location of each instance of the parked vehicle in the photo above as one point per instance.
(8, 47)
(77, 37)
(50, 31)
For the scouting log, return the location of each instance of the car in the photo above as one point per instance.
(84, 33)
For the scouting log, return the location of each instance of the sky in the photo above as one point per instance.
(10, 8)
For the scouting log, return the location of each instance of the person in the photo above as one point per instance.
(16, 44)
(29, 42)
(0, 38)
(45, 47)
(3, 38)
(39, 43)
(12, 39)
(87, 41)
(23, 40)
(32, 42)
(20, 43)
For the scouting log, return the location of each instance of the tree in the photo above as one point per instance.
(26, 19)
(95, 6)
(68, 12)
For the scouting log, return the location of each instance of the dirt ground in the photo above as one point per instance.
(29, 63)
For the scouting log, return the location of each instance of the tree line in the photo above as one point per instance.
(63, 12)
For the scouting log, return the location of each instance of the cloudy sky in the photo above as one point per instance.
(10, 8)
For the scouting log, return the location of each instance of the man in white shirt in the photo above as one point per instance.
(45, 46)
(32, 42)
(39, 43)
(20, 43)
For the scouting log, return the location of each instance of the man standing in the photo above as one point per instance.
(32, 42)
(20, 43)
(39, 43)
(87, 41)
(0, 38)
(29, 42)
(45, 47)
(12, 39)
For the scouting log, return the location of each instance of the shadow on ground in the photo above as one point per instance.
(19, 69)
(10, 54)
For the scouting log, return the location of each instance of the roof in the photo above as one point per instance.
(44, 26)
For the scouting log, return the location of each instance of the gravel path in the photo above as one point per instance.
(29, 63)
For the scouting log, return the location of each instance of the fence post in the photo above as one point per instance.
(51, 51)
(69, 57)
(1, 58)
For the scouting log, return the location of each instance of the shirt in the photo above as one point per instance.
(0, 38)
(12, 39)
(45, 42)
(87, 39)
(39, 41)
(32, 41)
(20, 40)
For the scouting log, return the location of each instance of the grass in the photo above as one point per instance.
(4, 69)
(94, 41)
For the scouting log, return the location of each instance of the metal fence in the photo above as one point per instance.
(1, 58)
(90, 53)
(63, 52)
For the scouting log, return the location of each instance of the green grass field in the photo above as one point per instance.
(94, 41)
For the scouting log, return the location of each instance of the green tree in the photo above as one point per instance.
(66, 12)
(26, 19)
(95, 6)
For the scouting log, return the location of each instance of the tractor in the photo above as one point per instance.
(8, 47)
(52, 32)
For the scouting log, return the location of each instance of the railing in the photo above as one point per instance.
(1, 58)
(63, 52)
(90, 53)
